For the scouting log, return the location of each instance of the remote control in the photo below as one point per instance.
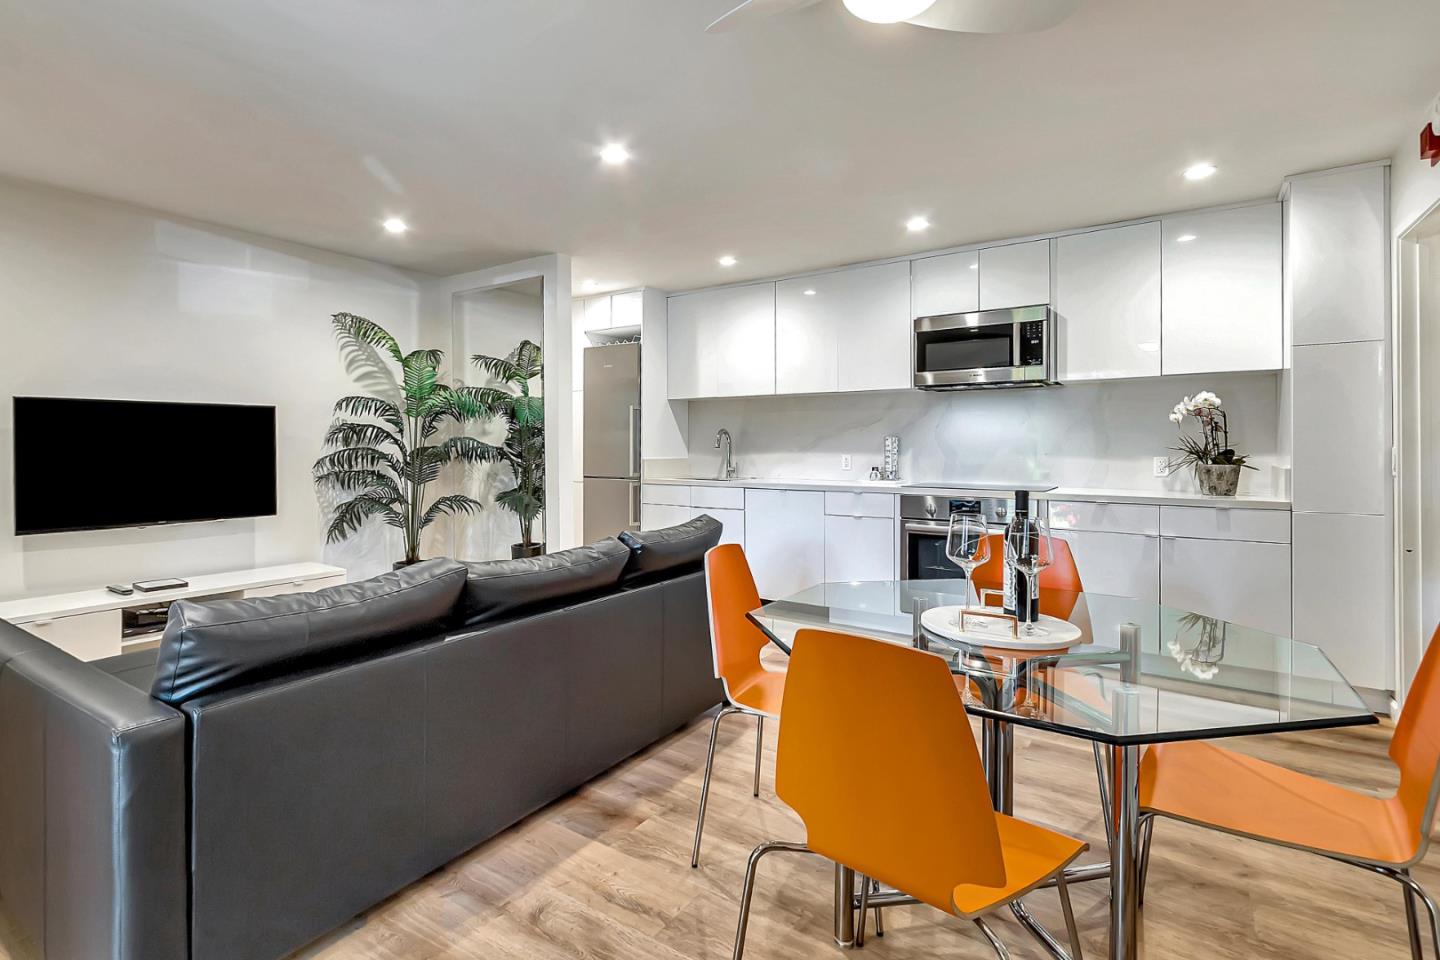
(120, 589)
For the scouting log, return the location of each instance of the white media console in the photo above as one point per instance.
(91, 624)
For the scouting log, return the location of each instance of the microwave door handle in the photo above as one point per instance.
(1015, 348)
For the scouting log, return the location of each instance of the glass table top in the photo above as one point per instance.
(1140, 673)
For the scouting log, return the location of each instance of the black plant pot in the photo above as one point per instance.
(519, 550)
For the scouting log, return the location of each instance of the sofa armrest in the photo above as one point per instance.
(92, 810)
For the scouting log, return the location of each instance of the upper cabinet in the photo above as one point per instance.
(596, 314)
(948, 284)
(627, 310)
(1337, 252)
(722, 342)
(1107, 303)
(1015, 275)
(1222, 282)
(846, 331)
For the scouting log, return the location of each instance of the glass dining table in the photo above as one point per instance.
(1133, 672)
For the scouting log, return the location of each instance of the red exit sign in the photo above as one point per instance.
(1430, 136)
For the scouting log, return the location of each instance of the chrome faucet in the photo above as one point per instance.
(727, 466)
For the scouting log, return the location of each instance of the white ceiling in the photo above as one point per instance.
(803, 142)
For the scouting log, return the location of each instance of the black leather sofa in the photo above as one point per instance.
(281, 764)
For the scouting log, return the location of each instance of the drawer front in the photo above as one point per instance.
(1225, 523)
(718, 498)
(665, 494)
(844, 504)
(1137, 518)
(293, 586)
(85, 636)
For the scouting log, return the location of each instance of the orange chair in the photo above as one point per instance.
(1212, 787)
(1060, 586)
(736, 643)
(922, 822)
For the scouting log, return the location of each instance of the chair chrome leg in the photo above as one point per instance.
(1062, 888)
(759, 745)
(1413, 890)
(879, 923)
(1147, 831)
(705, 786)
(1102, 776)
(994, 940)
(1412, 924)
(864, 908)
(748, 891)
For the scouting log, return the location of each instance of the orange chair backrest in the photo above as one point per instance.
(1415, 748)
(1060, 585)
(903, 801)
(735, 642)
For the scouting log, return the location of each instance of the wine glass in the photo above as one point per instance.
(968, 545)
(1029, 550)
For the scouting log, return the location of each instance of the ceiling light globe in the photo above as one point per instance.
(1200, 171)
(888, 11)
(395, 225)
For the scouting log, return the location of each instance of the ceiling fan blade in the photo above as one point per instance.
(754, 10)
(996, 16)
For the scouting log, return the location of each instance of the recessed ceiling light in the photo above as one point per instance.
(809, 293)
(727, 261)
(395, 225)
(888, 11)
(1185, 238)
(917, 224)
(1199, 171)
(614, 154)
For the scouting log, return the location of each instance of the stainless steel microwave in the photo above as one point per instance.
(990, 348)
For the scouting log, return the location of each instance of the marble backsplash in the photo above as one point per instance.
(1095, 435)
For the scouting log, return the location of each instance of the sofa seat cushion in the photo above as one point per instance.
(209, 646)
(501, 589)
(670, 552)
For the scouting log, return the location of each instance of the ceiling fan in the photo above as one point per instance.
(961, 16)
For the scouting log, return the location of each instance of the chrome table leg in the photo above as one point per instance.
(864, 882)
(1125, 855)
(844, 906)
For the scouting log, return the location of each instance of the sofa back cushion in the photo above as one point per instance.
(214, 645)
(502, 589)
(670, 552)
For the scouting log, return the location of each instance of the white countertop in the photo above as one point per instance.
(1084, 494)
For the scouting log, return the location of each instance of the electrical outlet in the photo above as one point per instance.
(1162, 466)
(845, 461)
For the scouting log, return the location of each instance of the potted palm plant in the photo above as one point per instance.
(1217, 465)
(524, 446)
(386, 456)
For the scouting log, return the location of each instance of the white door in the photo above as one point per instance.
(1222, 282)
(1243, 581)
(859, 548)
(785, 540)
(947, 284)
(722, 343)
(1341, 438)
(1107, 303)
(1121, 574)
(1338, 244)
(1015, 275)
(1343, 593)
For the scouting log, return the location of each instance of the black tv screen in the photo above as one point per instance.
(93, 464)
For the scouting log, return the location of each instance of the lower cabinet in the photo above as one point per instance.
(85, 636)
(785, 540)
(1121, 574)
(859, 548)
(1244, 581)
(1343, 593)
(656, 516)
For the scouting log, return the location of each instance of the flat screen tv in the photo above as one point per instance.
(96, 464)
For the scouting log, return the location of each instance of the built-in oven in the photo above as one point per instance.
(990, 348)
(925, 522)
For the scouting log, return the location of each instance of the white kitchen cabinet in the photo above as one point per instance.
(722, 342)
(785, 540)
(597, 314)
(1121, 575)
(846, 503)
(946, 284)
(732, 523)
(1107, 303)
(847, 331)
(1015, 275)
(657, 516)
(1244, 582)
(1338, 242)
(859, 548)
(1343, 595)
(85, 636)
(1340, 435)
(717, 498)
(1225, 523)
(1223, 287)
(1139, 518)
(665, 494)
(627, 310)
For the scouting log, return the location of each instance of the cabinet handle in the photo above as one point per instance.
(41, 623)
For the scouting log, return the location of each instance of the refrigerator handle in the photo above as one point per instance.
(634, 443)
(634, 504)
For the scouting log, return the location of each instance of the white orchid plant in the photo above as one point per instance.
(1213, 444)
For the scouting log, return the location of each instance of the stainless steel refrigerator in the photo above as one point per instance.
(612, 440)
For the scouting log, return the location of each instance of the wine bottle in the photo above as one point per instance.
(1019, 602)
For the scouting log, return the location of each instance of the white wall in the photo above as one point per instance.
(493, 322)
(106, 300)
(1100, 435)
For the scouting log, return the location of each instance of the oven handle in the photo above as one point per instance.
(925, 527)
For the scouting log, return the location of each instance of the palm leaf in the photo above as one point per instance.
(471, 450)
(347, 433)
(451, 504)
(526, 359)
(496, 367)
(368, 332)
(528, 410)
(351, 515)
(362, 480)
(376, 407)
(357, 458)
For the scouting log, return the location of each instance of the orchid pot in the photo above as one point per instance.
(1217, 465)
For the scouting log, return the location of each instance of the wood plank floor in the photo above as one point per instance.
(604, 874)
